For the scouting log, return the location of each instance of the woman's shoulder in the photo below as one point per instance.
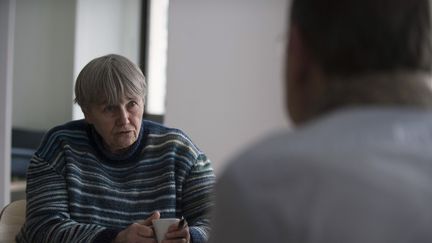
(71, 130)
(71, 126)
(160, 133)
(54, 141)
(157, 129)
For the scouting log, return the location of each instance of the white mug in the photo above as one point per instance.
(161, 227)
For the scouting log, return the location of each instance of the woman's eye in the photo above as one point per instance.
(109, 108)
(132, 103)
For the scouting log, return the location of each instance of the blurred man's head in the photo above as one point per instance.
(346, 40)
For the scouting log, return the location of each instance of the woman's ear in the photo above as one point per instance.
(87, 114)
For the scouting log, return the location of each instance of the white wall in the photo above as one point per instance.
(54, 39)
(41, 48)
(224, 64)
(105, 27)
(43, 63)
(225, 72)
(7, 22)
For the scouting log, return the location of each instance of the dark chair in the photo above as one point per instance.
(24, 145)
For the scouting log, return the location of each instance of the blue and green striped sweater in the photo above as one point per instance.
(79, 192)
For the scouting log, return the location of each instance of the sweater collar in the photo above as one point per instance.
(127, 154)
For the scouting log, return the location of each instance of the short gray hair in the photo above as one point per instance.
(106, 79)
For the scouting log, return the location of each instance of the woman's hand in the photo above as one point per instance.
(177, 235)
(140, 232)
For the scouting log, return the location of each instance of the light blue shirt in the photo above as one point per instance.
(360, 175)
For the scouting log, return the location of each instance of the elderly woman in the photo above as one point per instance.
(104, 178)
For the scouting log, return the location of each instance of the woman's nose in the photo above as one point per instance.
(123, 117)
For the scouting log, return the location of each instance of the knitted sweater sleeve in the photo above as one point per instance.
(47, 217)
(198, 199)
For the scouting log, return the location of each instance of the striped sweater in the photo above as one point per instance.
(79, 192)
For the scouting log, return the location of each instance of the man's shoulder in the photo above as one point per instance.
(262, 157)
(341, 159)
(340, 141)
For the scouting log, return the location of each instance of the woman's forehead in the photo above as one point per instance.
(118, 100)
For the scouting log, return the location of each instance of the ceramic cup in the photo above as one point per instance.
(161, 227)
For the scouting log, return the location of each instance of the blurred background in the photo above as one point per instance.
(214, 69)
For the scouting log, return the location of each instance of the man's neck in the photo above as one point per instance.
(390, 89)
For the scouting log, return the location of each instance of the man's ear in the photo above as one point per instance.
(303, 77)
(298, 55)
(297, 62)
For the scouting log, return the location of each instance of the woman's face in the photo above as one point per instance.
(119, 124)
